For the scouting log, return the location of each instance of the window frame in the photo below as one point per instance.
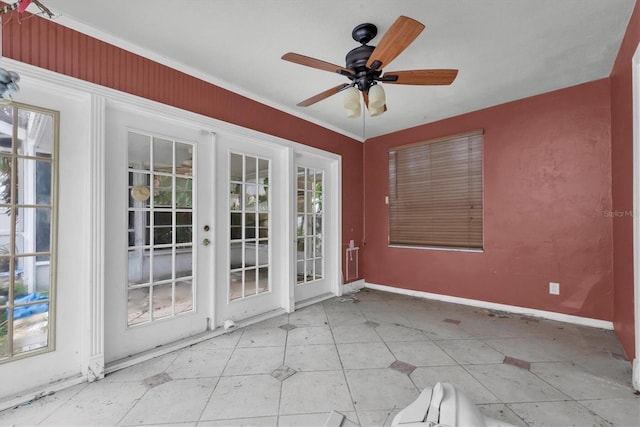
(15, 205)
(395, 211)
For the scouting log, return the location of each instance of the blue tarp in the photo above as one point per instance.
(28, 310)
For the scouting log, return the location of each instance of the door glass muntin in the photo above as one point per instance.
(309, 225)
(249, 226)
(160, 231)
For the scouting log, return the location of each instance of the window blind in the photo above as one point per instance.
(435, 193)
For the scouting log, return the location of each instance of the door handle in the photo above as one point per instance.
(206, 242)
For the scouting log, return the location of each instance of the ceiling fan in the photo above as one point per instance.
(364, 67)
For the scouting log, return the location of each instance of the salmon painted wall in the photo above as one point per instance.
(40, 42)
(547, 189)
(622, 185)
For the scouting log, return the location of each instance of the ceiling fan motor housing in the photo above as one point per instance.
(357, 58)
(356, 61)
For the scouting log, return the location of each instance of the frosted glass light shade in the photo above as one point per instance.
(376, 111)
(354, 113)
(377, 98)
(351, 100)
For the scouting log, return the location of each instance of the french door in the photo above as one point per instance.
(316, 222)
(204, 228)
(251, 229)
(158, 232)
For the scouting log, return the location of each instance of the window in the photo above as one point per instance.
(309, 225)
(160, 210)
(28, 156)
(435, 193)
(249, 226)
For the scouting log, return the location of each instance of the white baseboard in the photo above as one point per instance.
(40, 392)
(352, 287)
(636, 374)
(314, 300)
(560, 317)
(186, 342)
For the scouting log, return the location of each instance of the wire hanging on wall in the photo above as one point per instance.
(364, 136)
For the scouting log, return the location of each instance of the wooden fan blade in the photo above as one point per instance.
(396, 39)
(322, 95)
(315, 63)
(421, 77)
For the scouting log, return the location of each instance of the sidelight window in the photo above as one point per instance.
(28, 199)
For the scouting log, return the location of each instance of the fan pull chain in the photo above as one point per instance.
(364, 115)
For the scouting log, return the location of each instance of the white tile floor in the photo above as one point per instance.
(295, 369)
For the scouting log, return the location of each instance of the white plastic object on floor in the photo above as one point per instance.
(443, 405)
(229, 324)
(335, 419)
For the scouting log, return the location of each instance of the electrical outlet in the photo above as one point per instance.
(554, 288)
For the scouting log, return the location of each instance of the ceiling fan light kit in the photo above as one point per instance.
(351, 99)
(373, 112)
(377, 98)
(351, 102)
(364, 68)
(354, 113)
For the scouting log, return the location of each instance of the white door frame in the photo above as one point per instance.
(332, 239)
(635, 71)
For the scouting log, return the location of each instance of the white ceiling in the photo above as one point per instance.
(505, 49)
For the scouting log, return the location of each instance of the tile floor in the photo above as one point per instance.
(366, 358)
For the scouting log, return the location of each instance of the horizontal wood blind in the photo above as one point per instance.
(435, 193)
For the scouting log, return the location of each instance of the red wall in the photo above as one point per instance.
(622, 185)
(547, 188)
(45, 44)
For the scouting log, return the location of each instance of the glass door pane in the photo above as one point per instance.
(160, 234)
(309, 225)
(249, 226)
